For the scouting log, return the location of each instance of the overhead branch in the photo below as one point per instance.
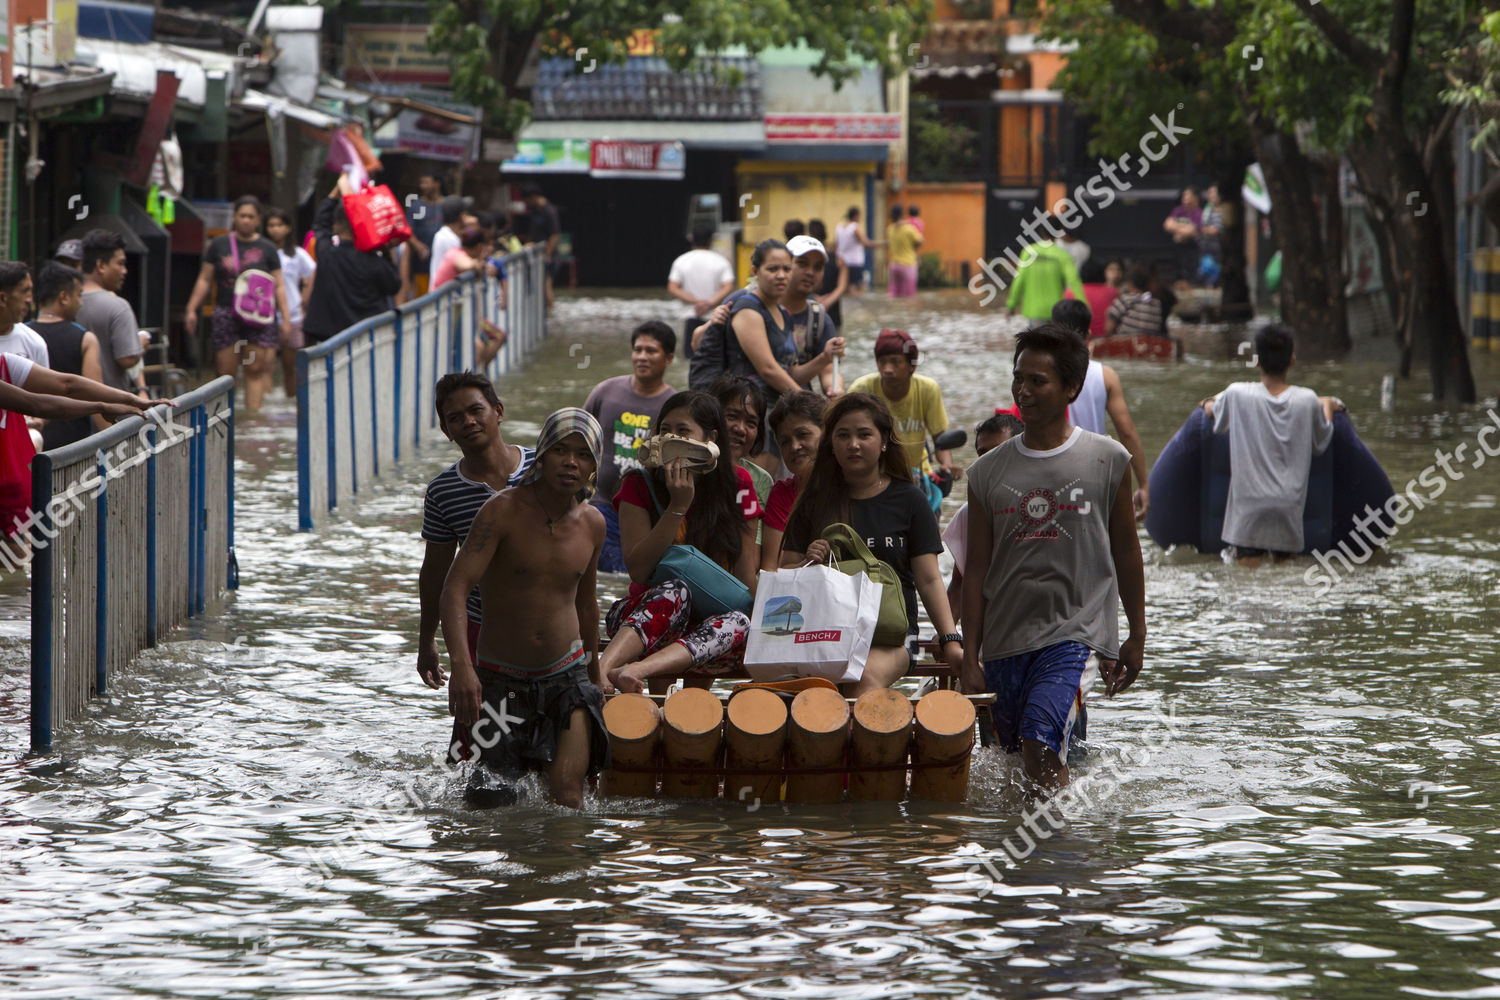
(1186, 23)
(1356, 50)
(1438, 137)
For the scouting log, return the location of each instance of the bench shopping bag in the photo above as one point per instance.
(812, 622)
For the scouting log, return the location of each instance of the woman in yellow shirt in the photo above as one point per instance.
(904, 239)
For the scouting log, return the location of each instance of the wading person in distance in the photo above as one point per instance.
(245, 267)
(1274, 429)
(1052, 553)
(625, 406)
(532, 552)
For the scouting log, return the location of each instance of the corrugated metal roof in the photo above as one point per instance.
(644, 88)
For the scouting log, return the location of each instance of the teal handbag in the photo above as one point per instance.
(712, 589)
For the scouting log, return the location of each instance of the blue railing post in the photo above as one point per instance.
(41, 612)
(353, 422)
(396, 390)
(304, 446)
(231, 568)
(329, 409)
(374, 410)
(101, 578)
(151, 529)
(200, 505)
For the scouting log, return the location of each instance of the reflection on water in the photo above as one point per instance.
(1307, 806)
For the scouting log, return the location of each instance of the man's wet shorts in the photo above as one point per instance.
(1039, 696)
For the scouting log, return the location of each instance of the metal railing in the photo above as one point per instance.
(365, 396)
(110, 572)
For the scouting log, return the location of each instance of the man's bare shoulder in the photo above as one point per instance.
(594, 518)
(492, 520)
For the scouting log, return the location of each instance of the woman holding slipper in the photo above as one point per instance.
(692, 496)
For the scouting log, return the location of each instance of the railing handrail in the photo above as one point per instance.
(365, 394)
(125, 620)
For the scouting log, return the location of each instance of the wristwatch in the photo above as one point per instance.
(948, 637)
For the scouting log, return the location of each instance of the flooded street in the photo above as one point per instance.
(1309, 807)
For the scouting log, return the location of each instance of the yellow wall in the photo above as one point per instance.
(795, 190)
(954, 219)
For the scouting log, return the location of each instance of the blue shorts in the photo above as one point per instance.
(1039, 696)
(611, 559)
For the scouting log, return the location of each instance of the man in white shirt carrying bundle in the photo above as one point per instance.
(700, 278)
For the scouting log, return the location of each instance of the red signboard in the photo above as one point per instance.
(649, 160)
(864, 128)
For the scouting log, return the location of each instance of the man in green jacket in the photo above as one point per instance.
(1047, 271)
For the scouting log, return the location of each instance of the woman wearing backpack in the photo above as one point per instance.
(245, 268)
(757, 340)
(654, 632)
(861, 477)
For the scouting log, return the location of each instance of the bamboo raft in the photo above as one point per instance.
(752, 746)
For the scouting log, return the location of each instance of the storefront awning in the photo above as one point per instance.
(275, 106)
(64, 88)
(134, 66)
(749, 135)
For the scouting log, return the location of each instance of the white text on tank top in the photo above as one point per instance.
(1051, 576)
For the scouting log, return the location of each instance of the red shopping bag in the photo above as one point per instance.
(376, 218)
(16, 452)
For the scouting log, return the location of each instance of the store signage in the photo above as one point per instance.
(864, 128)
(646, 160)
(392, 53)
(549, 156)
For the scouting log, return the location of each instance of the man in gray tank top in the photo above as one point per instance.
(1052, 536)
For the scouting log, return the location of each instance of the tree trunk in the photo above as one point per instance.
(1390, 170)
(1312, 295)
(1234, 304)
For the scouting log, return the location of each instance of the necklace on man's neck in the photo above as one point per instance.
(551, 521)
(47, 317)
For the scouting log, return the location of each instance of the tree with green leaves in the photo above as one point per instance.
(1473, 72)
(1297, 82)
(488, 42)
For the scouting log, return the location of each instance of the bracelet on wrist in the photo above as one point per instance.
(679, 513)
(948, 637)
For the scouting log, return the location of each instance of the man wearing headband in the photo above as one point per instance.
(529, 697)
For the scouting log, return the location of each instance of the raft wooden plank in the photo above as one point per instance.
(882, 731)
(944, 732)
(818, 737)
(633, 721)
(692, 736)
(755, 730)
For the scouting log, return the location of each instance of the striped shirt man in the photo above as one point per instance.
(452, 502)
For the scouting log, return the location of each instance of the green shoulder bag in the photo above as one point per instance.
(851, 555)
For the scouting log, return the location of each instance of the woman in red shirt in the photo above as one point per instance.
(652, 634)
(797, 424)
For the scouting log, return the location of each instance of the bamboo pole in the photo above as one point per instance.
(882, 730)
(945, 731)
(754, 739)
(633, 721)
(692, 736)
(819, 733)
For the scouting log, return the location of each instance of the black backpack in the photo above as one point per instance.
(711, 357)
